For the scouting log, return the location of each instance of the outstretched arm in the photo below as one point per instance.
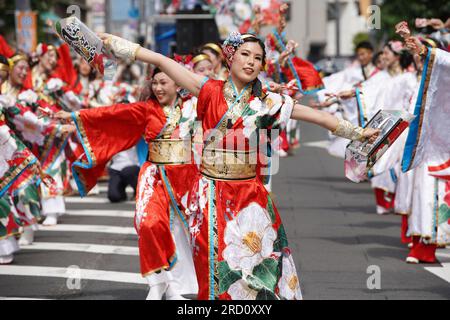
(122, 48)
(338, 127)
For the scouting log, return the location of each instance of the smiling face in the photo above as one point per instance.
(49, 61)
(364, 56)
(204, 68)
(247, 62)
(19, 73)
(389, 57)
(164, 88)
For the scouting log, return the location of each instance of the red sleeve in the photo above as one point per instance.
(28, 82)
(309, 76)
(105, 132)
(208, 90)
(5, 49)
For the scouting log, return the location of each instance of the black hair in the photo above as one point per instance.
(406, 58)
(3, 60)
(156, 71)
(364, 45)
(376, 56)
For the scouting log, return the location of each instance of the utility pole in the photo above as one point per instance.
(338, 28)
(108, 25)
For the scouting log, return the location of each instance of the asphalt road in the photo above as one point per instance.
(333, 230)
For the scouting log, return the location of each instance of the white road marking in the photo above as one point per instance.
(89, 228)
(88, 200)
(16, 298)
(86, 274)
(317, 144)
(442, 272)
(441, 255)
(83, 247)
(102, 213)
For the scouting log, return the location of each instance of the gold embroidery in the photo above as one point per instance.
(11, 175)
(237, 108)
(86, 143)
(170, 151)
(230, 97)
(9, 90)
(173, 116)
(253, 242)
(293, 283)
(221, 164)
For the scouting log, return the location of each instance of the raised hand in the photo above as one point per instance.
(414, 45)
(63, 116)
(436, 24)
(275, 87)
(284, 8)
(402, 30)
(68, 129)
(258, 19)
(282, 22)
(291, 46)
(371, 134)
(120, 48)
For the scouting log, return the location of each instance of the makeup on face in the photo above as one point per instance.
(50, 60)
(164, 88)
(247, 62)
(19, 72)
(204, 68)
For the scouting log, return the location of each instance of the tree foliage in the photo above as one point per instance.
(394, 11)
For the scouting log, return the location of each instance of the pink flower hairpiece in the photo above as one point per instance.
(230, 46)
(396, 46)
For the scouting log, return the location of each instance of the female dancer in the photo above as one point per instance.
(15, 160)
(239, 244)
(214, 52)
(203, 65)
(165, 120)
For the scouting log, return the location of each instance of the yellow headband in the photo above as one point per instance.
(431, 42)
(214, 47)
(200, 57)
(14, 60)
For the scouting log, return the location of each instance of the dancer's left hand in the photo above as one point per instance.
(371, 134)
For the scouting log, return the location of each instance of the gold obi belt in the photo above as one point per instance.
(222, 164)
(169, 151)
